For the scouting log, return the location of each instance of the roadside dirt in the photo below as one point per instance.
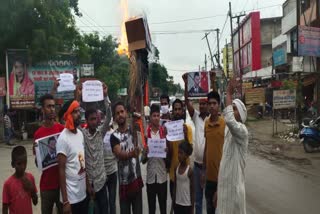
(283, 149)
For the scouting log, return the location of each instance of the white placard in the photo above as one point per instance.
(157, 148)
(106, 141)
(92, 91)
(175, 130)
(46, 151)
(66, 83)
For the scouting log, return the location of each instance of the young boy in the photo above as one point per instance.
(183, 199)
(156, 167)
(20, 188)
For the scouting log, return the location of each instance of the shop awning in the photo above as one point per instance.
(264, 73)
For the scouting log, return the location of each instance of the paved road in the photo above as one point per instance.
(271, 189)
(274, 190)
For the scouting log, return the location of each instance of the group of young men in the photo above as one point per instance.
(220, 148)
(92, 159)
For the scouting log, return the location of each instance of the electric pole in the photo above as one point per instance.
(206, 37)
(205, 62)
(233, 48)
(227, 58)
(231, 29)
(217, 55)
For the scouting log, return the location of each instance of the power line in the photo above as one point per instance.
(181, 20)
(244, 6)
(93, 21)
(181, 70)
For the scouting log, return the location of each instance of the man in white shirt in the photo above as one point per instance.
(71, 161)
(198, 118)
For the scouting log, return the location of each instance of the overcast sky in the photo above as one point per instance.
(177, 26)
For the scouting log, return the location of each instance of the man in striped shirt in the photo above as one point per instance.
(231, 180)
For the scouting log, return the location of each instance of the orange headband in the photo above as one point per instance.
(68, 115)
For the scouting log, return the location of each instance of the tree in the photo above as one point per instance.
(43, 27)
(109, 66)
(160, 78)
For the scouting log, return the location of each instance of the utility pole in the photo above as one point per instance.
(227, 58)
(205, 62)
(206, 36)
(299, 90)
(231, 29)
(233, 48)
(218, 46)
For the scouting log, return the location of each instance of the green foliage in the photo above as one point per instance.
(47, 27)
(288, 85)
(43, 27)
(160, 78)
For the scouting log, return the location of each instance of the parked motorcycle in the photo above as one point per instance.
(310, 135)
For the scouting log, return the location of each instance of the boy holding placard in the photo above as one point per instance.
(178, 115)
(156, 165)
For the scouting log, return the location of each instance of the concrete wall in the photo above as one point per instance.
(270, 28)
(266, 55)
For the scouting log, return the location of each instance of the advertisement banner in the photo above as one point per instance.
(309, 41)
(255, 96)
(87, 70)
(279, 57)
(21, 85)
(27, 82)
(283, 99)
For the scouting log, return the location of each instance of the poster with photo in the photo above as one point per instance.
(46, 151)
(198, 84)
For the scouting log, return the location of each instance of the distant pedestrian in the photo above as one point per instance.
(231, 182)
(157, 184)
(183, 199)
(7, 128)
(19, 189)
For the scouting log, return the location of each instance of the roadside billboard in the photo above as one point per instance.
(279, 57)
(255, 96)
(27, 82)
(309, 41)
(283, 99)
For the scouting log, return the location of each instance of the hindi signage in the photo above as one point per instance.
(283, 99)
(92, 91)
(157, 148)
(309, 41)
(66, 83)
(175, 130)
